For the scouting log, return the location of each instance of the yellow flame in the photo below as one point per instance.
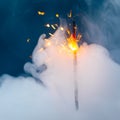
(72, 44)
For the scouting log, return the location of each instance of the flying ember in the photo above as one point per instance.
(41, 13)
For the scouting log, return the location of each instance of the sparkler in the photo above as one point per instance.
(75, 67)
(73, 45)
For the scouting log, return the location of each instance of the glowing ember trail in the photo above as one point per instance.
(41, 13)
(73, 45)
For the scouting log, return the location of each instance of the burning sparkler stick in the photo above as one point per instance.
(73, 45)
(75, 67)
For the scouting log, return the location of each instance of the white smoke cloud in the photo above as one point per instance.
(98, 82)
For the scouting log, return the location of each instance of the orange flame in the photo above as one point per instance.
(72, 44)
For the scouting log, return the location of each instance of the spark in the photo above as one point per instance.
(79, 36)
(57, 15)
(68, 33)
(56, 25)
(28, 40)
(70, 14)
(41, 13)
(51, 34)
(53, 27)
(72, 43)
(47, 25)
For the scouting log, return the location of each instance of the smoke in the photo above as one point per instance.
(98, 81)
(52, 66)
(102, 25)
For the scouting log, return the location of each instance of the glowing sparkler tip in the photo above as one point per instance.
(73, 46)
(73, 43)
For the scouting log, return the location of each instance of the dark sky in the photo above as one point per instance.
(19, 21)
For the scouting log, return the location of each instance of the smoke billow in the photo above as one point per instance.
(102, 25)
(98, 81)
(52, 65)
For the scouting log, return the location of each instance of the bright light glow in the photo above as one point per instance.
(72, 44)
(47, 43)
(61, 28)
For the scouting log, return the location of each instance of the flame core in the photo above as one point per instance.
(72, 43)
